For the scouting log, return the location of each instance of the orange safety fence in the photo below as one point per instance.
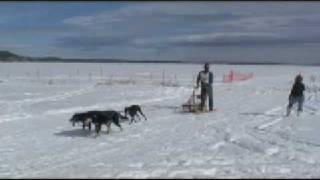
(236, 76)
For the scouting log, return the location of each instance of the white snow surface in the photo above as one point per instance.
(247, 137)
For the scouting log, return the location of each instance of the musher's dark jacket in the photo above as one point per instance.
(297, 90)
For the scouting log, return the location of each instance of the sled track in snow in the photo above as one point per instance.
(16, 107)
(71, 157)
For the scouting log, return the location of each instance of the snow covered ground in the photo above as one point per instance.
(248, 137)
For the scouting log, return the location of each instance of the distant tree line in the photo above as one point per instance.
(7, 56)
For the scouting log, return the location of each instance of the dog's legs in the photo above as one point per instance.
(142, 114)
(131, 120)
(118, 124)
(140, 111)
(145, 118)
(109, 128)
(87, 122)
(98, 127)
(139, 117)
(134, 119)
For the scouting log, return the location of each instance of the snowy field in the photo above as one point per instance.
(248, 137)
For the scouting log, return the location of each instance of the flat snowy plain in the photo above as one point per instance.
(248, 137)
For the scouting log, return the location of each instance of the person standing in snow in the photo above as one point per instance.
(205, 77)
(296, 95)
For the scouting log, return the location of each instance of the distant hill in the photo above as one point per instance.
(8, 56)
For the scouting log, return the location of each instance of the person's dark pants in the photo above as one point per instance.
(293, 100)
(206, 90)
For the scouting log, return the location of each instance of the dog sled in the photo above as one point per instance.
(193, 105)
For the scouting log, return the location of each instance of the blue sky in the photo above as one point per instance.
(233, 31)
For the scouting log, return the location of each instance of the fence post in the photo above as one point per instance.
(176, 79)
(90, 76)
(101, 72)
(193, 80)
(37, 73)
(231, 76)
(110, 80)
(151, 76)
(163, 77)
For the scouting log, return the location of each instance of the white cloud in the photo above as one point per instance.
(210, 39)
(267, 23)
(154, 13)
(93, 20)
(167, 27)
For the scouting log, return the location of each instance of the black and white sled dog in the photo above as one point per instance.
(83, 118)
(133, 112)
(98, 118)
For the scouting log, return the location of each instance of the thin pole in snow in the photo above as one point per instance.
(90, 76)
(151, 76)
(212, 90)
(37, 73)
(193, 80)
(101, 72)
(176, 79)
(163, 77)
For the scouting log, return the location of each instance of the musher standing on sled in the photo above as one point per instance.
(206, 79)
